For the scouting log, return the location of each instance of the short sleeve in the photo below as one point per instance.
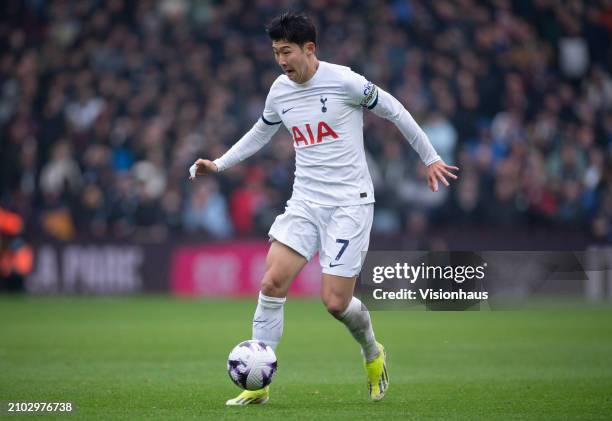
(360, 90)
(269, 116)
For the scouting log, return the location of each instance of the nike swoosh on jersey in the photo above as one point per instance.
(333, 266)
(287, 110)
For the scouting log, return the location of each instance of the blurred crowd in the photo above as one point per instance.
(105, 104)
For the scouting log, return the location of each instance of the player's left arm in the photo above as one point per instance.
(384, 105)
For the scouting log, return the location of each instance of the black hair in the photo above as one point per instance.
(292, 27)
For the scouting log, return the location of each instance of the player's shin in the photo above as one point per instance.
(357, 319)
(268, 320)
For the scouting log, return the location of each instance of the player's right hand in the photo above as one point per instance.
(202, 167)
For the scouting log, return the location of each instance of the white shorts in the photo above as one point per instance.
(339, 233)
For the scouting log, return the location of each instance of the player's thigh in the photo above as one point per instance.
(337, 292)
(296, 229)
(295, 241)
(283, 264)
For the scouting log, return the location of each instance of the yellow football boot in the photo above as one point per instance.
(250, 397)
(378, 379)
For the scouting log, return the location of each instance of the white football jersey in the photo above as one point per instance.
(325, 119)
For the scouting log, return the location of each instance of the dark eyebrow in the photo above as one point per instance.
(280, 48)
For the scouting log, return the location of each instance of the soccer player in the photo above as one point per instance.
(332, 205)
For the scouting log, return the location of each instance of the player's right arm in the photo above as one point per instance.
(253, 140)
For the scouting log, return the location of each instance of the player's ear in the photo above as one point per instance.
(309, 48)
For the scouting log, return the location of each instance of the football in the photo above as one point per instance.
(251, 365)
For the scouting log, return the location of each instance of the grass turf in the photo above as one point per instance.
(164, 358)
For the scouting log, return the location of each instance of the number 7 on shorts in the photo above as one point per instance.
(344, 246)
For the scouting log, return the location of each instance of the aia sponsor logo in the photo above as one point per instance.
(306, 136)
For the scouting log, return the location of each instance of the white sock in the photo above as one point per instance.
(359, 324)
(268, 320)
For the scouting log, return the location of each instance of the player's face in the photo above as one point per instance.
(292, 59)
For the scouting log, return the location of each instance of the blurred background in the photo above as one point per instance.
(104, 105)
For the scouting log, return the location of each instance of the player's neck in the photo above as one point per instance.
(313, 66)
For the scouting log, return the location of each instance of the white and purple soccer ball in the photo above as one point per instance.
(251, 365)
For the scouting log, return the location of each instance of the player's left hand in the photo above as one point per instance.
(438, 171)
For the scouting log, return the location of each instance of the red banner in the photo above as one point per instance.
(231, 269)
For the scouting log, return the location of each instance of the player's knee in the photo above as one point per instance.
(273, 284)
(335, 304)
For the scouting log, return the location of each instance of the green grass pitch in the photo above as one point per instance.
(164, 358)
